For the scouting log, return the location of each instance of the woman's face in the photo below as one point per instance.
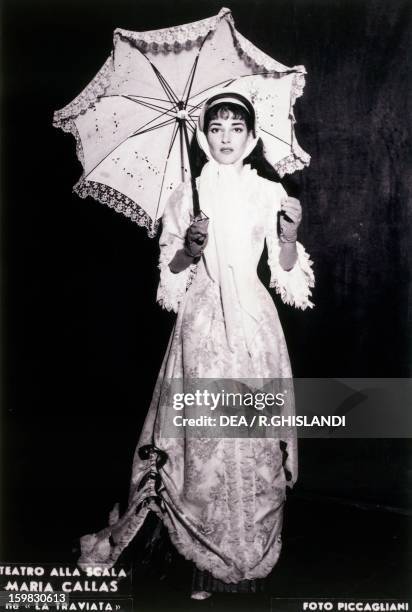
(227, 138)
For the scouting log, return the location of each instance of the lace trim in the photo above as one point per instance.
(192, 274)
(293, 286)
(118, 201)
(290, 164)
(248, 495)
(298, 83)
(300, 156)
(261, 59)
(173, 287)
(69, 126)
(87, 97)
(299, 153)
(174, 38)
(231, 467)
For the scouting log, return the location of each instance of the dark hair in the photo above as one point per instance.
(222, 110)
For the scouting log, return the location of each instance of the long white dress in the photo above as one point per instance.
(221, 499)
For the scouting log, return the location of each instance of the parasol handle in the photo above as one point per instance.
(195, 193)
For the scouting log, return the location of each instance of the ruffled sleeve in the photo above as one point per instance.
(294, 286)
(175, 222)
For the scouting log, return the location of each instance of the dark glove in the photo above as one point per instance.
(290, 218)
(196, 238)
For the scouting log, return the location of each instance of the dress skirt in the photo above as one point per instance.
(221, 499)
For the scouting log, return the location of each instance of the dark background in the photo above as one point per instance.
(83, 339)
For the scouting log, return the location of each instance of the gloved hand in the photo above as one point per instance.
(196, 238)
(290, 218)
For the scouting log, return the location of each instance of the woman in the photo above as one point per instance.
(221, 499)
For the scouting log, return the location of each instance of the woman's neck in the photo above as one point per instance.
(237, 166)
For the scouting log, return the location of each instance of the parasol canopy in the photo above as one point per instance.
(134, 122)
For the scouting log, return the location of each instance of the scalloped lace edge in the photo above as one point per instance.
(293, 286)
(69, 126)
(175, 36)
(291, 163)
(173, 287)
(118, 201)
(87, 97)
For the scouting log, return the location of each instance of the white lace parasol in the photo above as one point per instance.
(134, 121)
